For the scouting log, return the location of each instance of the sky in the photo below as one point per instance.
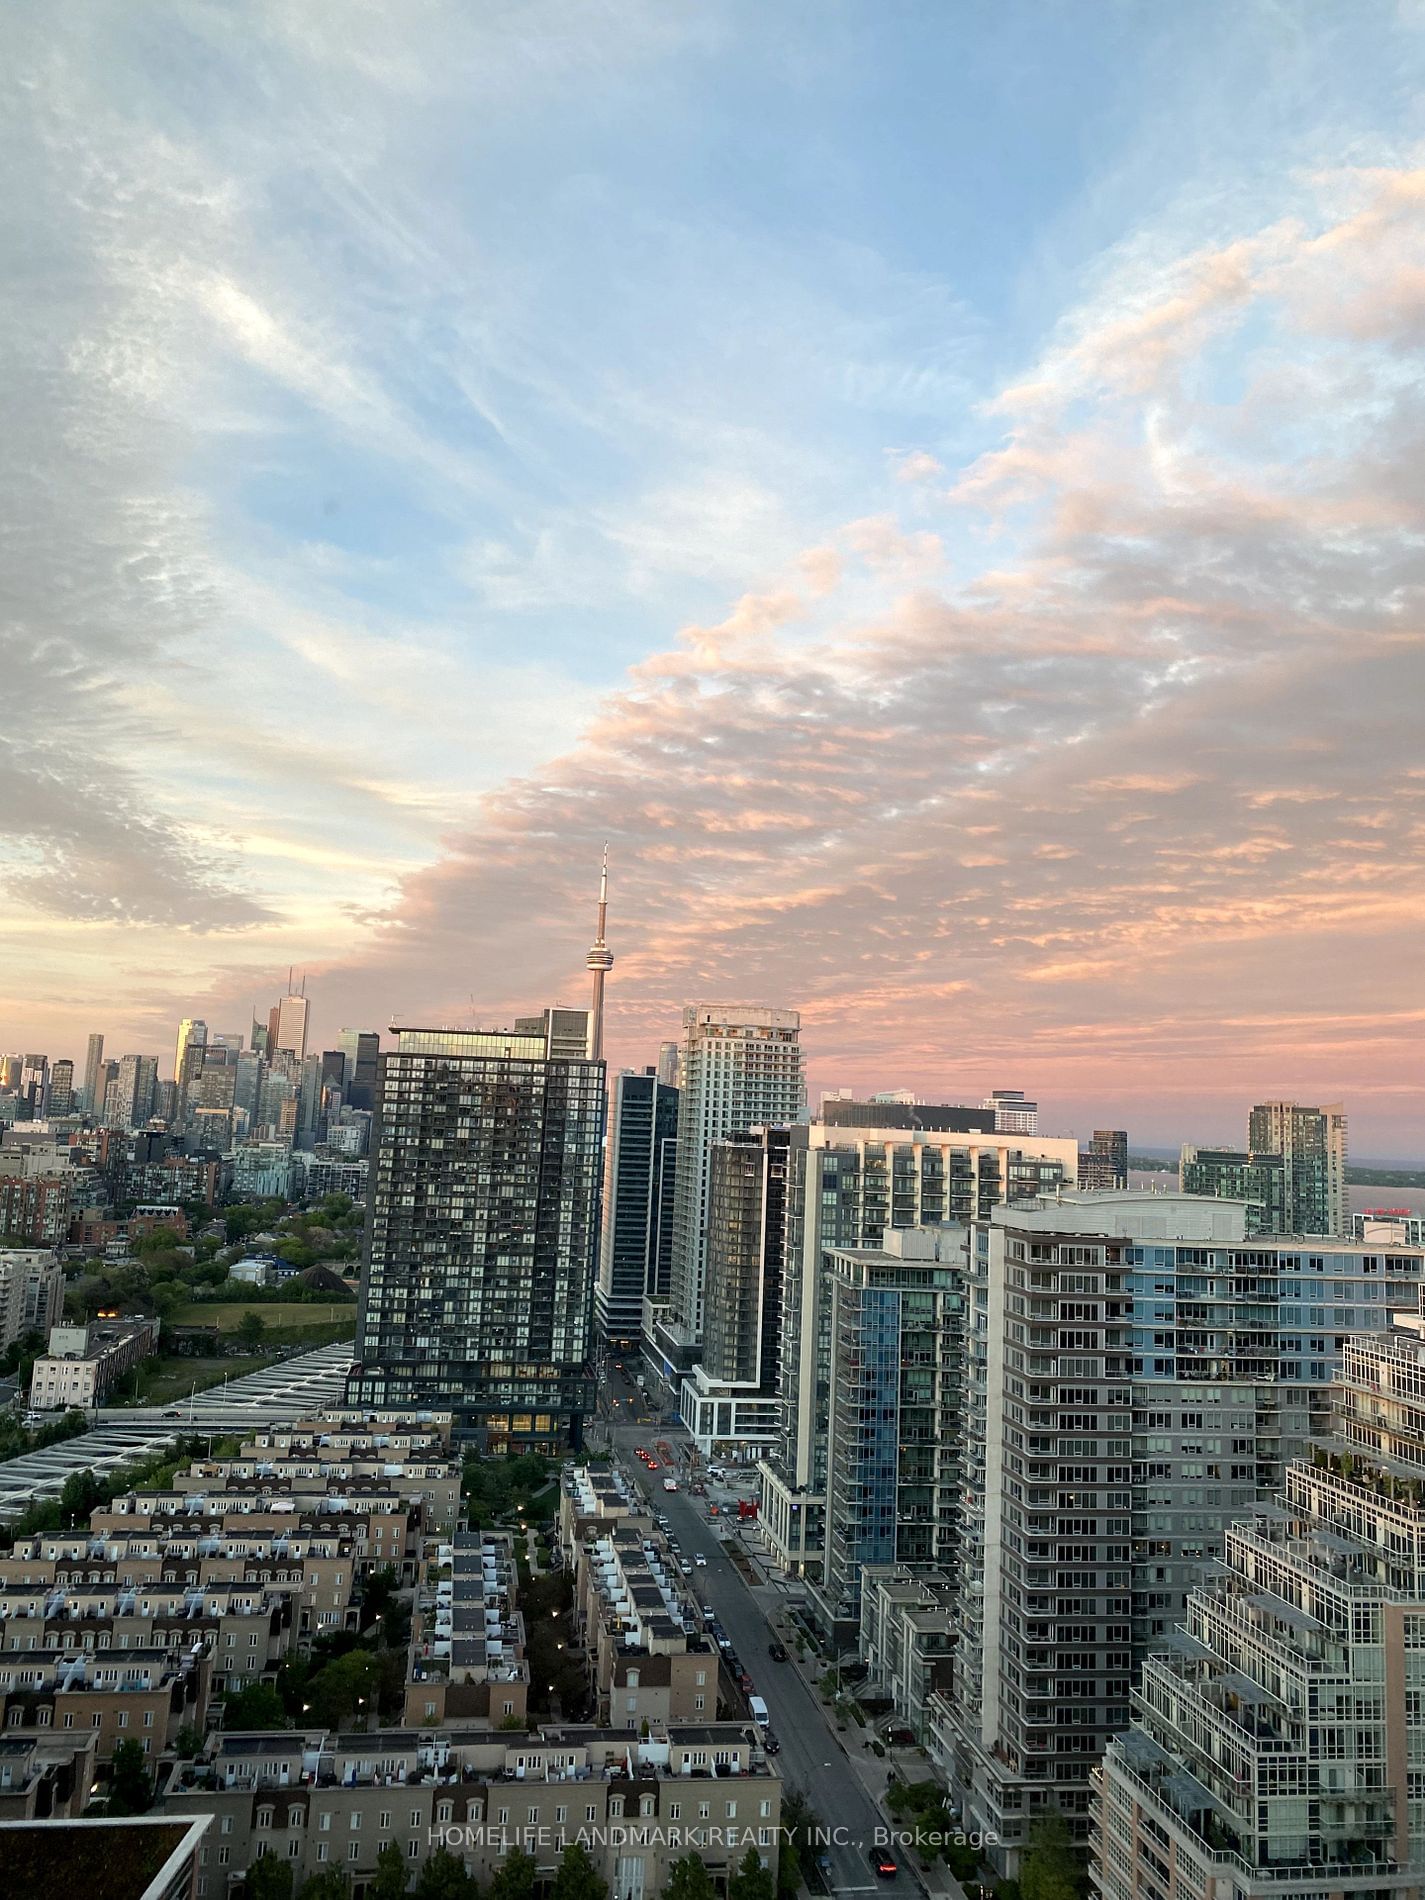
(935, 485)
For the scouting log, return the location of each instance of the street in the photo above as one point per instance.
(812, 1759)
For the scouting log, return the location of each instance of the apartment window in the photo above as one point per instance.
(385, 1819)
(353, 1851)
(325, 1822)
(415, 1817)
(264, 1817)
(224, 1855)
(445, 1811)
(355, 1819)
(294, 1846)
(591, 1813)
(323, 1851)
(413, 1849)
(226, 1826)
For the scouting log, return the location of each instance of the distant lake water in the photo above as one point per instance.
(1361, 1197)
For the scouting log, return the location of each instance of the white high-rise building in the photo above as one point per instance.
(1014, 1113)
(1278, 1747)
(742, 1069)
(287, 1026)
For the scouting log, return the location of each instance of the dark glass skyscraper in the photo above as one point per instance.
(477, 1280)
(637, 1249)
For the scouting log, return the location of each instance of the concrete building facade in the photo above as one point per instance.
(1278, 1745)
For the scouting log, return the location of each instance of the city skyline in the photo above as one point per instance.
(904, 484)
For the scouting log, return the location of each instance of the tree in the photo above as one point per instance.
(752, 1881)
(337, 1691)
(688, 1879)
(252, 1329)
(330, 1884)
(390, 1881)
(1051, 1870)
(269, 1878)
(514, 1877)
(443, 1877)
(130, 1790)
(78, 1497)
(189, 1742)
(257, 1706)
(578, 1878)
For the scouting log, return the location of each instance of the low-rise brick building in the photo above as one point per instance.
(322, 1801)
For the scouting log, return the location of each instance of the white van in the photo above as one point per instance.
(759, 1711)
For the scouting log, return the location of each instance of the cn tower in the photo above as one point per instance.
(600, 961)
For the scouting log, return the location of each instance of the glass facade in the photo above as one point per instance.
(477, 1283)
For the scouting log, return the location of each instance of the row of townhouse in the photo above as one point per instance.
(468, 1661)
(638, 1803)
(317, 1564)
(247, 1628)
(650, 1657)
(143, 1695)
(315, 1482)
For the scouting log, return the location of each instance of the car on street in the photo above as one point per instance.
(745, 1682)
(776, 1652)
(709, 1612)
(699, 1559)
(770, 1742)
(685, 1567)
(884, 1863)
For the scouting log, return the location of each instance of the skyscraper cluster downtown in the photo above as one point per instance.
(1113, 1497)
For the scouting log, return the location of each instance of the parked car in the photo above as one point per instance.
(770, 1742)
(699, 1559)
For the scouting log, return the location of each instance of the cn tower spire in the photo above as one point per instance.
(600, 962)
